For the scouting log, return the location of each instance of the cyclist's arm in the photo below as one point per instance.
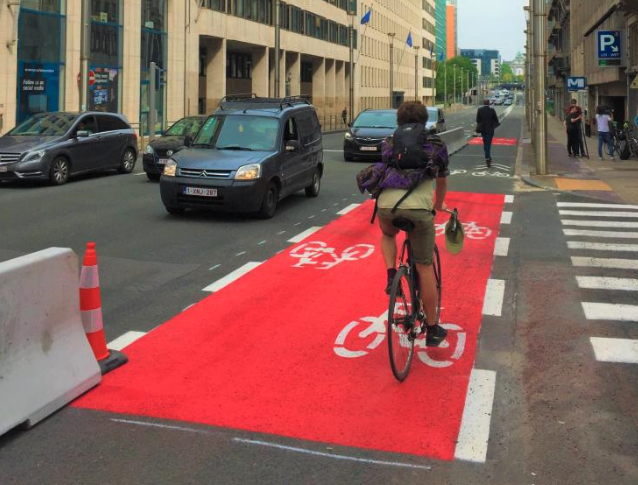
(441, 191)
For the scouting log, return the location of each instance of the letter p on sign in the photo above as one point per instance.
(606, 41)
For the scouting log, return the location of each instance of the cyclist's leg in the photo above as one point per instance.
(388, 242)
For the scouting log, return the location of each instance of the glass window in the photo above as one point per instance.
(376, 119)
(42, 5)
(240, 132)
(87, 124)
(40, 37)
(154, 14)
(45, 125)
(185, 126)
(110, 123)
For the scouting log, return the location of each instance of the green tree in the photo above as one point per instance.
(457, 65)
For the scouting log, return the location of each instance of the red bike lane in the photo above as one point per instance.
(297, 347)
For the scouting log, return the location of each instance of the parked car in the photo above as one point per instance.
(172, 140)
(436, 120)
(508, 102)
(367, 132)
(56, 146)
(251, 153)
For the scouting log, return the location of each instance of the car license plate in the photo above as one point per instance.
(162, 161)
(368, 149)
(200, 192)
(4, 169)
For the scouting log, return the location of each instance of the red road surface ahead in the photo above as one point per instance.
(297, 346)
(511, 142)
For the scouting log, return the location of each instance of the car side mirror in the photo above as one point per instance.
(292, 146)
(188, 141)
(82, 134)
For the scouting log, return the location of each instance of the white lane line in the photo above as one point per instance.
(586, 223)
(324, 210)
(501, 248)
(615, 234)
(477, 415)
(614, 263)
(303, 235)
(598, 214)
(506, 218)
(189, 306)
(331, 455)
(607, 283)
(618, 350)
(261, 243)
(240, 254)
(214, 267)
(297, 224)
(141, 173)
(229, 278)
(602, 246)
(274, 445)
(590, 205)
(333, 151)
(610, 311)
(125, 340)
(347, 209)
(280, 233)
(509, 199)
(494, 294)
(311, 217)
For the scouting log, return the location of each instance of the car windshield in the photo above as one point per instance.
(239, 132)
(185, 126)
(45, 125)
(376, 119)
(433, 115)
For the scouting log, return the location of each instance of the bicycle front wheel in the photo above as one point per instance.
(401, 321)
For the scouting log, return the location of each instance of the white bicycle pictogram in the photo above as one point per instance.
(462, 171)
(360, 337)
(470, 229)
(318, 253)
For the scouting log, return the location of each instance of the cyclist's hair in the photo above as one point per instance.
(412, 112)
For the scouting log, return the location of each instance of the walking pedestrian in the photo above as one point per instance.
(603, 122)
(486, 124)
(573, 123)
(344, 115)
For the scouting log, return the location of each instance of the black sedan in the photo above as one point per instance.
(55, 146)
(367, 132)
(159, 151)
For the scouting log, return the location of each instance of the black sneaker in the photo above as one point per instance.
(435, 335)
(488, 162)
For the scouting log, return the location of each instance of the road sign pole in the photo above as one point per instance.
(151, 101)
(85, 54)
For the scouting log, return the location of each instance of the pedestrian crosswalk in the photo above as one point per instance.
(602, 243)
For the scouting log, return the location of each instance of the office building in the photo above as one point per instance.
(440, 16)
(487, 61)
(206, 50)
(452, 35)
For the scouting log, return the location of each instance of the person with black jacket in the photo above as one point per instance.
(486, 124)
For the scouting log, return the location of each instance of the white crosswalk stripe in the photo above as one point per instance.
(608, 294)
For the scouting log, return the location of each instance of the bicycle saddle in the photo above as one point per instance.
(404, 224)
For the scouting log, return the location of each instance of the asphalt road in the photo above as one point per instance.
(559, 416)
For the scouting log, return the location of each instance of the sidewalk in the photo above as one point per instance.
(610, 181)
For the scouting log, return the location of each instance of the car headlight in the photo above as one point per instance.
(170, 169)
(348, 135)
(249, 172)
(149, 150)
(33, 156)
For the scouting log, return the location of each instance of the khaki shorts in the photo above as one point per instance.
(422, 238)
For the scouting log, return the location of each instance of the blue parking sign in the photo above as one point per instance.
(609, 46)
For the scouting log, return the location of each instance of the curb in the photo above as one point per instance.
(527, 179)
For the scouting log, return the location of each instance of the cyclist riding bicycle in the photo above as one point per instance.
(418, 202)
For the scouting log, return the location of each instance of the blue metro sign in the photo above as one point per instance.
(609, 44)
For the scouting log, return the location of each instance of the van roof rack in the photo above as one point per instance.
(252, 101)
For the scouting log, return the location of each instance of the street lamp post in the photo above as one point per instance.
(351, 83)
(462, 82)
(85, 53)
(277, 48)
(416, 72)
(391, 41)
(540, 68)
(454, 83)
(445, 85)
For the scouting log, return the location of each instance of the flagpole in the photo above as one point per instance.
(363, 34)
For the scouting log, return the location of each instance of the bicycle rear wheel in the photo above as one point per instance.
(401, 320)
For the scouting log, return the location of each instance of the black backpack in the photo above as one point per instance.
(408, 150)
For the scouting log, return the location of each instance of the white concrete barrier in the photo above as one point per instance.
(454, 139)
(45, 358)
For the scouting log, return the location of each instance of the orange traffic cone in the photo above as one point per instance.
(91, 311)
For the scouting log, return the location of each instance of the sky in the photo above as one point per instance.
(492, 24)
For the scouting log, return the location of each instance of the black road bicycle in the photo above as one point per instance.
(406, 319)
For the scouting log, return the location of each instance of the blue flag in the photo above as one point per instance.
(366, 18)
(409, 39)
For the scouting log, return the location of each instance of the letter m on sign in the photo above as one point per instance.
(576, 83)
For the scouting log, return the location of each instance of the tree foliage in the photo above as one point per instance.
(463, 65)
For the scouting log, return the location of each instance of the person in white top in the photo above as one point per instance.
(603, 120)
